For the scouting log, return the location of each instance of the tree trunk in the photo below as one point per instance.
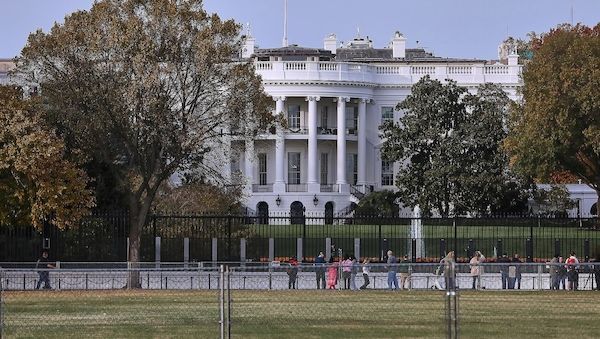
(137, 219)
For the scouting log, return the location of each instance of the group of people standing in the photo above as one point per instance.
(562, 271)
(510, 271)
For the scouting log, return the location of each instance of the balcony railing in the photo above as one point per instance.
(256, 188)
(333, 131)
(296, 188)
(329, 188)
(298, 130)
(392, 73)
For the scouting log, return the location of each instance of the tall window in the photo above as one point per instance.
(324, 116)
(294, 168)
(352, 168)
(387, 114)
(387, 173)
(324, 168)
(262, 168)
(351, 119)
(294, 117)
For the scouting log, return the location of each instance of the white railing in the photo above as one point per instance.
(263, 65)
(295, 66)
(386, 73)
(328, 66)
(422, 70)
(460, 70)
(496, 69)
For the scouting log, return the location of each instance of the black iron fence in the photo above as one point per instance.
(177, 238)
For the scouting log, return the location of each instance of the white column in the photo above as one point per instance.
(279, 185)
(313, 185)
(249, 163)
(362, 142)
(341, 144)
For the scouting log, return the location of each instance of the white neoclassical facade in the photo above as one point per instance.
(334, 99)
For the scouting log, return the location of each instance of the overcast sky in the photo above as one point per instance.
(449, 28)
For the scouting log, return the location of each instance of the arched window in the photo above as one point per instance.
(296, 213)
(262, 209)
(594, 209)
(329, 213)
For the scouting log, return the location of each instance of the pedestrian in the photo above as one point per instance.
(346, 271)
(320, 270)
(596, 269)
(517, 271)
(332, 273)
(404, 269)
(449, 266)
(553, 269)
(562, 273)
(43, 264)
(475, 264)
(365, 273)
(572, 271)
(392, 267)
(503, 262)
(292, 272)
(354, 272)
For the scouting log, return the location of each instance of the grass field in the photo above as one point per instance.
(299, 314)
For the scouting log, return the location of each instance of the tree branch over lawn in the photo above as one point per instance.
(144, 86)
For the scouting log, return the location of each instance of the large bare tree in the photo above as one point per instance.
(148, 87)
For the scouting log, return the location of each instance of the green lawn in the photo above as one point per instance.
(397, 237)
(299, 314)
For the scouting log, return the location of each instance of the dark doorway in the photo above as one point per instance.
(329, 213)
(262, 209)
(296, 213)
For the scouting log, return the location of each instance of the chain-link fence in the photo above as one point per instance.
(289, 300)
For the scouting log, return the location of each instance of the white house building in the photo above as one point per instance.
(335, 98)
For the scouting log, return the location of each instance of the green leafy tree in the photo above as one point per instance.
(557, 126)
(37, 183)
(380, 203)
(449, 145)
(554, 201)
(147, 88)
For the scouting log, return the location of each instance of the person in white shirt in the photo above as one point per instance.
(365, 273)
(572, 273)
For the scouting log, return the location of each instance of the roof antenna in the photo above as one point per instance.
(572, 12)
(285, 38)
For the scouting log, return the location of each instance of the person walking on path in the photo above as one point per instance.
(392, 267)
(353, 273)
(320, 270)
(572, 272)
(449, 267)
(404, 269)
(292, 273)
(514, 273)
(504, 261)
(44, 275)
(332, 273)
(553, 269)
(562, 273)
(476, 268)
(346, 271)
(365, 273)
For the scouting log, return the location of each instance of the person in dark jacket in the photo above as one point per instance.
(292, 273)
(44, 275)
(320, 270)
(504, 261)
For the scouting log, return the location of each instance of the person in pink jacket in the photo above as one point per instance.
(332, 274)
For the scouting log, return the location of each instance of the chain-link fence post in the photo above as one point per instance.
(228, 287)
(1, 302)
(452, 329)
(222, 302)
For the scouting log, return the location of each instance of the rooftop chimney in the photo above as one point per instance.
(399, 45)
(330, 43)
(513, 58)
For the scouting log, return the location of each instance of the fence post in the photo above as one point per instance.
(215, 253)
(556, 246)
(271, 249)
(529, 249)
(327, 248)
(586, 250)
(299, 254)
(442, 248)
(186, 252)
(413, 251)
(455, 237)
(499, 248)
(357, 248)
(222, 301)
(243, 251)
(229, 238)
(380, 242)
(470, 247)
(157, 252)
